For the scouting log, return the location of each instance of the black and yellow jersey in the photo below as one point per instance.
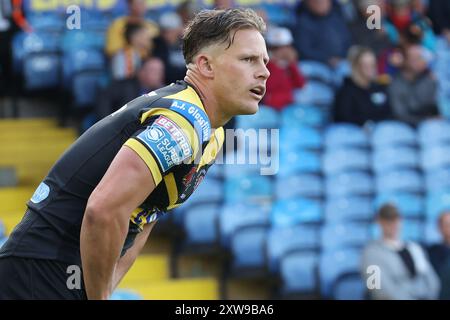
(168, 128)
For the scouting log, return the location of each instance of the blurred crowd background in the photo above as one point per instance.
(364, 173)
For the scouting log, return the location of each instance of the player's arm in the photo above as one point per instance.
(127, 260)
(125, 185)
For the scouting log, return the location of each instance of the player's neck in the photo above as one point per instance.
(216, 118)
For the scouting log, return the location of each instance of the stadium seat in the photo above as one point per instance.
(352, 208)
(317, 71)
(282, 240)
(85, 86)
(345, 159)
(42, 71)
(411, 230)
(82, 60)
(394, 157)
(432, 234)
(254, 188)
(200, 223)
(247, 246)
(349, 183)
(265, 118)
(399, 181)
(314, 93)
(299, 161)
(299, 185)
(345, 135)
(82, 39)
(410, 205)
(349, 286)
(296, 211)
(434, 131)
(125, 294)
(393, 133)
(300, 136)
(435, 157)
(298, 271)
(438, 179)
(335, 263)
(237, 215)
(342, 70)
(345, 235)
(437, 202)
(298, 114)
(48, 22)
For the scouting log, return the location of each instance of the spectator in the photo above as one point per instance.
(361, 98)
(119, 92)
(127, 61)
(115, 38)
(187, 10)
(404, 270)
(440, 255)
(401, 16)
(168, 47)
(413, 91)
(285, 76)
(439, 13)
(376, 39)
(321, 32)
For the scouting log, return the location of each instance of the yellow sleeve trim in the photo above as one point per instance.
(172, 190)
(147, 157)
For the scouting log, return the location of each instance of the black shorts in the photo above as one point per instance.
(27, 279)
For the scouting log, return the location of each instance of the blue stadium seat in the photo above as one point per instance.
(335, 263)
(352, 208)
(125, 294)
(432, 233)
(436, 157)
(410, 205)
(437, 202)
(298, 271)
(345, 235)
(395, 157)
(314, 70)
(314, 93)
(200, 223)
(237, 215)
(282, 240)
(265, 118)
(299, 185)
(300, 136)
(434, 131)
(438, 179)
(296, 211)
(85, 86)
(248, 247)
(349, 286)
(342, 70)
(399, 181)
(253, 188)
(42, 71)
(338, 160)
(47, 22)
(411, 230)
(393, 133)
(79, 60)
(298, 114)
(82, 39)
(299, 161)
(349, 183)
(345, 135)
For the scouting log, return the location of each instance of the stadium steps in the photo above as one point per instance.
(179, 289)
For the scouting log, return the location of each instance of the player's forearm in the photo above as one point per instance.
(101, 239)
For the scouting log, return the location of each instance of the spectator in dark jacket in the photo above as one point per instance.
(149, 77)
(168, 47)
(285, 76)
(440, 255)
(361, 98)
(439, 13)
(321, 33)
(413, 92)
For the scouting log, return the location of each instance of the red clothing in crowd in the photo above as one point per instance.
(281, 84)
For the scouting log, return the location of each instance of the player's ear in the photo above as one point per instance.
(203, 62)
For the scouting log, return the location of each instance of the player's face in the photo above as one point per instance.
(240, 73)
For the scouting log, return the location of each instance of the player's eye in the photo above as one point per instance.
(248, 59)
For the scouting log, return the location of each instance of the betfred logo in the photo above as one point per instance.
(176, 133)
